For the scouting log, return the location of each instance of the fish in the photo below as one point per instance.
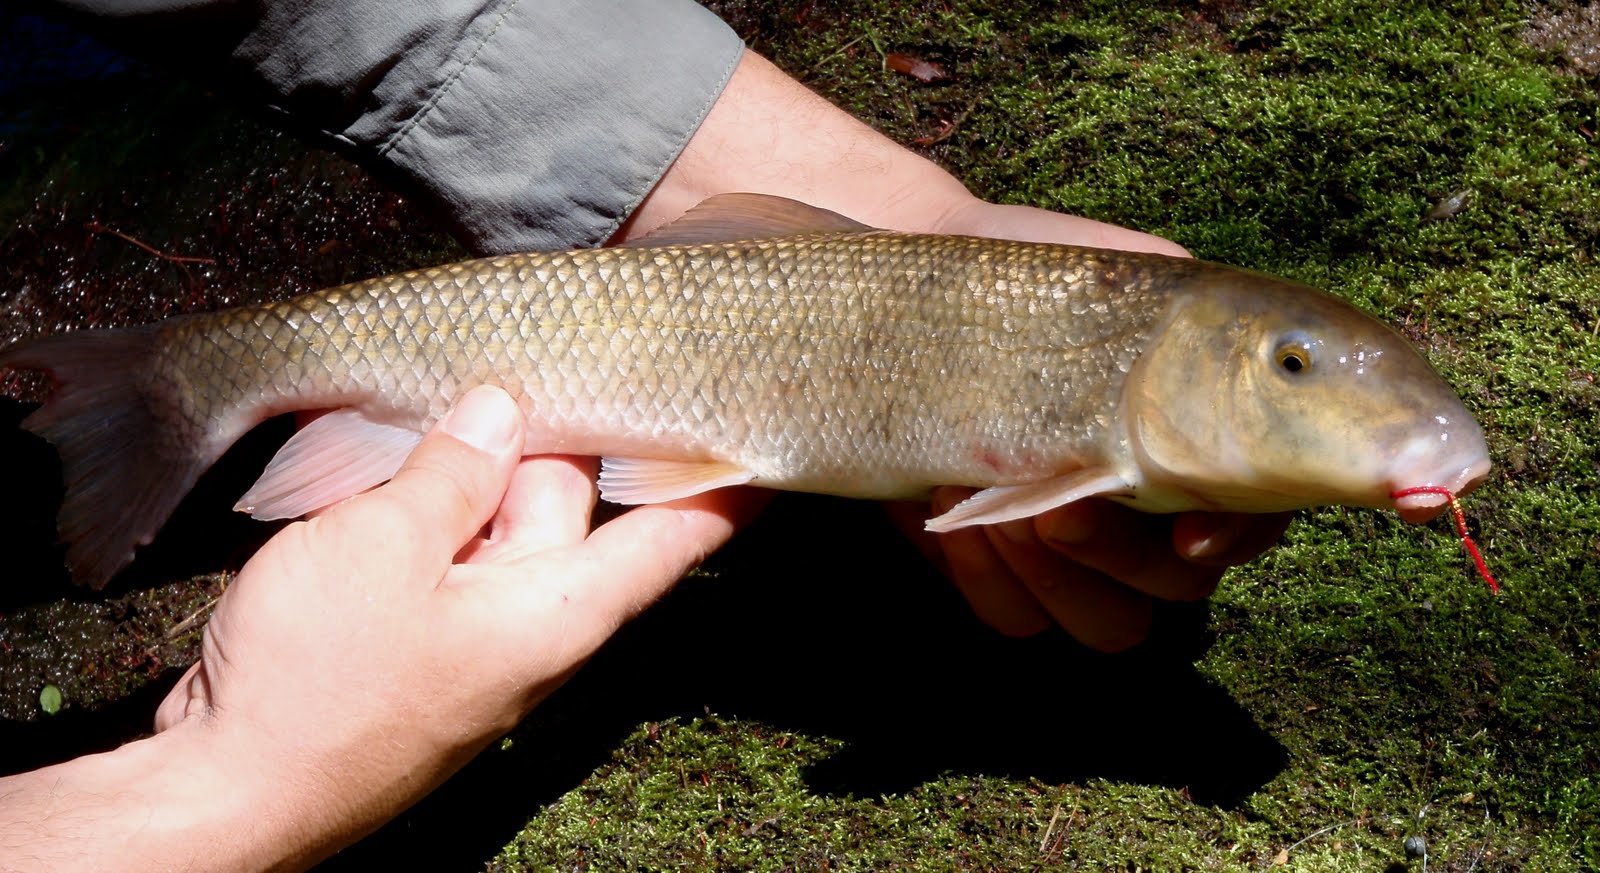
(763, 341)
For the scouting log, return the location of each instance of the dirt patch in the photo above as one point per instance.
(1569, 29)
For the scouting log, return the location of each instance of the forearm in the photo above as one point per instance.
(199, 797)
(160, 803)
(769, 134)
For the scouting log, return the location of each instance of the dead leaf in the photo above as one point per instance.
(915, 67)
(1449, 207)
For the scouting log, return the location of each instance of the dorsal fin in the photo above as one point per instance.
(733, 217)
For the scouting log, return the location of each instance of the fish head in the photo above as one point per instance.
(1261, 395)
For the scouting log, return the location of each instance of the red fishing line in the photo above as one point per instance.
(1461, 527)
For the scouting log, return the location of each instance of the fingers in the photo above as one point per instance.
(911, 518)
(1098, 611)
(1130, 546)
(1093, 567)
(997, 596)
(1225, 539)
(669, 539)
(175, 706)
(1019, 586)
(589, 589)
(553, 608)
(641, 553)
(548, 505)
(445, 492)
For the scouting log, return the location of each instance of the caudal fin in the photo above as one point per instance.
(127, 458)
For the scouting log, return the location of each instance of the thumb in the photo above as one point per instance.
(629, 562)
(446, 490)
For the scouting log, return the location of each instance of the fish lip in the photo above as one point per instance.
(1424, 507)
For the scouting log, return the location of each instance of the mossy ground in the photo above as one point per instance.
(796, 709)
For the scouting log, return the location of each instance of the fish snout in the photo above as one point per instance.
(1422, 498)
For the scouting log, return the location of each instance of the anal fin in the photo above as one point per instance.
(632, 481)
(1011, 502)
(338, 455)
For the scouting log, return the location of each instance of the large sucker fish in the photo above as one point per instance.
(761, 341)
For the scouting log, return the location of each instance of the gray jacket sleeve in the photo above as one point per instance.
(535, 123)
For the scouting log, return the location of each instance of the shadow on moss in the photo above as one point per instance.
(874, 651)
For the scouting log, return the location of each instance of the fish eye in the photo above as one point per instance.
(1293, 355)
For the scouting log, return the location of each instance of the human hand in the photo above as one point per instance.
(364, 655)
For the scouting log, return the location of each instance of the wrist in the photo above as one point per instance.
(302, 795)
(322, 780)
(221, 801)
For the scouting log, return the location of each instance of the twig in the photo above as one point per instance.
(1051, 846)
(883, 56)
(949, 128)
(841, 50)
(184, 625)
(1050, 828)
(1484, 850)
(97, 227)
(756, 828)
(1317, 833)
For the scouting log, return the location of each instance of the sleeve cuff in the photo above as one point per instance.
(550, 121)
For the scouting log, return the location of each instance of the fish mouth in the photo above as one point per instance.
(1417, 507)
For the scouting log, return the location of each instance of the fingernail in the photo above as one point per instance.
(1068, 526)
(484, 419)
(1216, 543)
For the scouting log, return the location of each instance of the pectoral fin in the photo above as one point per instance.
(1009, 502)
(338, 455)
(632, 481)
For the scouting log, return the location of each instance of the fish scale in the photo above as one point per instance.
(567, 333)
(821, 356)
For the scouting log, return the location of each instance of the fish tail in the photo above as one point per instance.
(127, 457)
